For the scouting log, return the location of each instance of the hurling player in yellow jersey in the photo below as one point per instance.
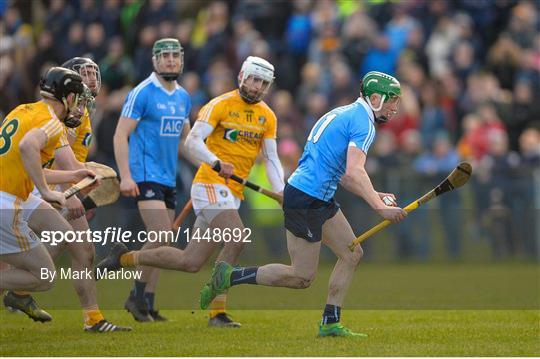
(236, 126)
(71, 155)
(80, 137)
(29, 136)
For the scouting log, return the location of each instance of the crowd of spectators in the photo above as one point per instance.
(470, 75)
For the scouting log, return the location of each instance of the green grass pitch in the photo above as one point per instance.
(406, 309)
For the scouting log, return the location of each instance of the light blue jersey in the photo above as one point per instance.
(161, 116)
(324, 160)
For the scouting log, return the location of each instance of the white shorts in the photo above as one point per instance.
(56, 187)
(36, 193)
(209, 200)
(15, 235)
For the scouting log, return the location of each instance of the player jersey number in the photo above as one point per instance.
(7, 133)
(319, 128)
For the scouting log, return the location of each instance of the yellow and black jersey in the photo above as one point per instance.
(15, 126)
(239, 129)
(80, 137)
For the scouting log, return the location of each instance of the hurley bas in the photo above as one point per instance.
(68, 273)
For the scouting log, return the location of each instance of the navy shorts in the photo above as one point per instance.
(305, 215)
(157, 192)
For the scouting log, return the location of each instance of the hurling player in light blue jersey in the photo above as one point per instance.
(155, 119)
(335, 152)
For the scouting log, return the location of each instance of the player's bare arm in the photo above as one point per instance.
(67, 169)
(125, 127)
(66, 176)
(30, 146)
(356, 180)
(65, 160)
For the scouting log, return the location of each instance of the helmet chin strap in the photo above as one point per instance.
(378, 119)
(169, 76)
(380, 105)
(381, 119)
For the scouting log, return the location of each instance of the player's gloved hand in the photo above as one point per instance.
(129, 188)
(75, 208)
(393, 214)
(53, 197)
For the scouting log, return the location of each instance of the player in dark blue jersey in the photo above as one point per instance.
(335, 152)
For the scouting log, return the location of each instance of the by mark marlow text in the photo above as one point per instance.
(68, 273)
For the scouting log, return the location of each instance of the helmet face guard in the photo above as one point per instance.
(73, 117)
(163, 46)
(257, 69)
(88, 70)
(383, 118)
(75, 112)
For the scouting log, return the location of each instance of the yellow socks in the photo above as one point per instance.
(92, 315)
(218, 305)
(129, 259)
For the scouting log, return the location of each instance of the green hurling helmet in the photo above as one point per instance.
(378, 82)
(166, 45)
